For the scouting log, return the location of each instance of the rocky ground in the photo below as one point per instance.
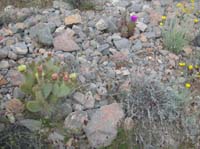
(89, 41)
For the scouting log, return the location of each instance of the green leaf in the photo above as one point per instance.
(56, 89)
(53, 99)
(46, 89)
(64, 90)
(34, 106)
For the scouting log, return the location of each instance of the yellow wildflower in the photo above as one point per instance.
(164, 18)
(196, 66)
(190, 67)
(196, 20)
(192, 1)
(187, 85)
(179, 5)
(198, 75)
(73, 76)
(21, 68)
(181, 64)
(161, 24)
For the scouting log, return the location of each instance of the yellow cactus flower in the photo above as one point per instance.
(181, 64)
(192, 1)
(164, 18)
(21, 68)
(196, 20)
(187, 85)
(73, 76)
(196, 66)
(179, 5)
(161, 24)
(190, 67)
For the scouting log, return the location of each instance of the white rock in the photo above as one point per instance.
(141, 26)
(101, 25)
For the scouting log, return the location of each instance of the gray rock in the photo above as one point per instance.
(89, 100)
(111, 25)
(75, 122)
(103, 47)
(31, 124)
(101, 130)
(42, 33)
(4, 64)
(135, 7)
(2, 126)
(20, 48)
(57, 140)
(4, 52)
(12, 55)
(122, 43)
(17, 93)
(150, 35)
(79, 97)
(137, 46)
(101, 25)
(197, 41)
(141, 26)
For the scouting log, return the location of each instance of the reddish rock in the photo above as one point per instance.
(65, 42)
(3, 81)
(101, 130)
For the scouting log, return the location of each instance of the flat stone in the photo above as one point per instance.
(73, 19)
(79, 97)
(141, 26)
(4, 52)
(75, 122)
(101, 25)
(4, 64)
(65, 43)
(31, 124)
(101, 130)
(137, 46)
(122, 43)
(20, 48)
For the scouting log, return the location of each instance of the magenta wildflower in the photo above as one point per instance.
(134, 18)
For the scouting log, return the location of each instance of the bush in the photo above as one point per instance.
(155, 110)
(174, 36)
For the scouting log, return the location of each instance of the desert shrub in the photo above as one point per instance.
(174, 36)
(82, 4)
(18, 137)
(155, 110)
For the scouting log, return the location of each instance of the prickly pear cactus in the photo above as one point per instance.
(46, 82)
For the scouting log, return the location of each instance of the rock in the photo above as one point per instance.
(135, 7)
(150, 35)
(75, 122)
(33, 125)
(4, 52)
(62, 111)
(73, 19)
(17, 93)
(188, 50)
(137, 46)
(3, 81)
(141, 26)
(57, 140)
(86, 100)
(65, 42)
(122, 43)
(101, 25)
(89, 100)
(15, 77)
(12, 55)
(101, 130)
(4, 64)
(42, 33)
(2, 127)
(79, 97)
(20, 48)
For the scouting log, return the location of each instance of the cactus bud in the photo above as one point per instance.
(66, 77)
(54, 76)
(73, 76)
(21, 68)
(36, 75)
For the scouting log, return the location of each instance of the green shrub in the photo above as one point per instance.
(46, 82)
(174, 36)
(82, 4)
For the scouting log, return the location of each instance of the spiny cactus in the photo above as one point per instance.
(46, 82)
